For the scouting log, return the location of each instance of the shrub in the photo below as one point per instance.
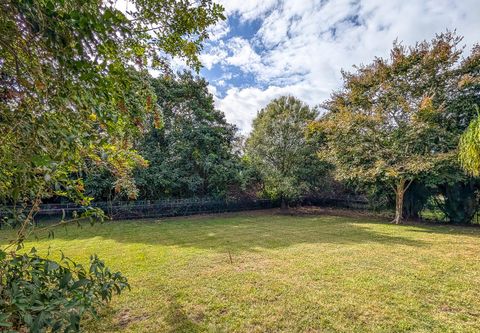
(38, 294)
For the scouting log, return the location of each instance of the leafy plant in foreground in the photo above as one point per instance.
(41, 294)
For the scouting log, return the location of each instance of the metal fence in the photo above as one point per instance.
(118, 210)
(159, 208)
(348, 202)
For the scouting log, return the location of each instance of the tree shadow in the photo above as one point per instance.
(245, 232)
(472, 231)
(177, 319)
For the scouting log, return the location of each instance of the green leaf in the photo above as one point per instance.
(52, 266)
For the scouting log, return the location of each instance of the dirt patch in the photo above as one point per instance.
(446, 308)
(125, 318)
(243, 213)
(293, 211)
(197, 315)
(312, 210)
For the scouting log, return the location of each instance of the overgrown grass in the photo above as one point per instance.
(264, 272)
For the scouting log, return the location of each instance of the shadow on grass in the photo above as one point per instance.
(178, 320)
(248, 233)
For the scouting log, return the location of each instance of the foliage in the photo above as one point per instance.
(73, 85)
(416, 199)
(41, 294)
(75, 93)
(387, 124)
(100, 184)
(466, 112)
(470, 148)
(191, 154)
(460, 201)
(280, 149)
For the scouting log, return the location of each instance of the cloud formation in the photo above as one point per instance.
(270, 48)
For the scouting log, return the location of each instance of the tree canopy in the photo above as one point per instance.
(387, 123)
(74, 93)
(192, 152)
(73, 87)
(280, 150)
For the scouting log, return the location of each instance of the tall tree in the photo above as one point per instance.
(72, 87)
(470, 147)
(467, 105)
(192, 154)
(281, 151)
(386, 124)
(73, 91)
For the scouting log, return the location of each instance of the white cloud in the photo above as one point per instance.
(212, 89)
(241, 105)
(303, 44)
(214, 55)
(248, 9)
(242, 55)
(219, 30)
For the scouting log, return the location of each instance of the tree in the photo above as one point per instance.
(466, 107)
(192, 153)
(279, 149)
(460, 200)
(74, 92)
(72, 87)
(386, 124)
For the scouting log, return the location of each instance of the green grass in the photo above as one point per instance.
(288, 274)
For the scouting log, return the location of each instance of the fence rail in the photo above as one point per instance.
(118, 210)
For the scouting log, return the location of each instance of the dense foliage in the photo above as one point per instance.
(71, 89)
(388, 124)
(280, 149)
(191, 154)
(75, 94)
(470, 148)
(40, 295)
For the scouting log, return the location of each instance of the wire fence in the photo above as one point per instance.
(348, 202)
(120, 210)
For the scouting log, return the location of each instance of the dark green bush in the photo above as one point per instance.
(38, 294)
(461, 201)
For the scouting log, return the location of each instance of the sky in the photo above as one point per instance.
(270, 48)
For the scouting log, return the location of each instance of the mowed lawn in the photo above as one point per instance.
(286, 274)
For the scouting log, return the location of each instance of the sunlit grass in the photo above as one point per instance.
(264, 272)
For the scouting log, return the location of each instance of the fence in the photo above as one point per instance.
(159, 208)
(349, 202)
(118, 210)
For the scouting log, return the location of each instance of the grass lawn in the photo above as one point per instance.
(288, 274)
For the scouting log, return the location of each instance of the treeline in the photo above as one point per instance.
(194, 152)
(390, 133)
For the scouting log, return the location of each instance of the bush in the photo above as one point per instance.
(38, 294)
(461, 201)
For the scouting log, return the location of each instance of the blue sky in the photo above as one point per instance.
(270, 48)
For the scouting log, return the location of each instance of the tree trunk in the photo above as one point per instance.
(399, 194)
(283, 204)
